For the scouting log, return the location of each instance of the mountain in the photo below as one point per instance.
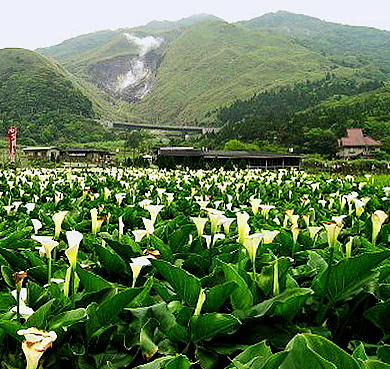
(45, 101)
(186, 70)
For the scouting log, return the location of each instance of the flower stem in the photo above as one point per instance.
(323, 311)
(49, 271)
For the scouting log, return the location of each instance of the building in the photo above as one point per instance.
(355, 144)
(71, 157)
(50, 153)
(189, 156)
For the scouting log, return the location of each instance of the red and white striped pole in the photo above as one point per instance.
(12, 145)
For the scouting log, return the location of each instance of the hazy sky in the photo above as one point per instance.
(39, 23)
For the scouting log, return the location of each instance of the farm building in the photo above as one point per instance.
(188, 156)
(355, 144)
(70, 156)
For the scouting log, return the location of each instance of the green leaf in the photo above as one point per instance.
(287, 305)
(111, 261)
(274, 361)
(7, 301)
(260, 352)
(207, 359)
(217, 295)
(110, 308)
(185, 284)
(308, 351)
(39, 318)
(379, 315)
(242, 297)
(155, 364)
(360, 352)
(375, 364)
(12, 327)
(348, 276)
(7, 272)
(17, 262)
(168, 324)
(165, 250)
(207, 326)
(91, 281)
(67, 318)
(179, 362)
(148, 347)
(179, 238)
(383, 353)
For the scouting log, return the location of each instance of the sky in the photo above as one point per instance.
(32, 24)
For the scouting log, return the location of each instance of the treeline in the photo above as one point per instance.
(308, 116)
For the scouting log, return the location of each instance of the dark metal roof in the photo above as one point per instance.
(246, 154)
(86, 151)
(210, 154)
(180, 151)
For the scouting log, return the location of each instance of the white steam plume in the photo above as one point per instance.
(144, 44)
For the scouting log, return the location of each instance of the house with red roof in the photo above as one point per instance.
(355, 144)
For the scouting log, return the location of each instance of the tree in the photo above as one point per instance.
(134, 140)
(320, 141)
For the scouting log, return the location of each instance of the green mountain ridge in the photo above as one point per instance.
(45, 101)
(204, 62)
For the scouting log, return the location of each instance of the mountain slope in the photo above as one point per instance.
(43, 100)
(186, 70)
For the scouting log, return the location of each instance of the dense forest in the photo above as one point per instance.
(45, 105)
(308, 116)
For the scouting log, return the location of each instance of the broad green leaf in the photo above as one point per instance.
(39, 318)
(67, 318)
(179, 362)
(17, 262)
(155, 364)
(379, 315)
(6, 273)
(11, 328)
(207, 359)
(7, 301)
(13, 239)
(164, 249)
(91, 281)
(143, 298)
(168, 324)
(348, 276)
(375, 364)
(110, 308)
(360, 352)
(179, 238)
(308, 351)
(383, 353)
(217, 295)
(242, 297)
(125, 251)
(207, 326)
(260, 352)
(148, 347)
(273, 362)
(185, 284)
(111, 261)
(287, 305)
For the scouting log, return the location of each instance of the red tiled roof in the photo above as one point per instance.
(355, 138)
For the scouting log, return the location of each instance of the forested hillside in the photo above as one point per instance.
(39, 98)
(309, 116)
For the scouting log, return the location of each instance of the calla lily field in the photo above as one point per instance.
(147, 269)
